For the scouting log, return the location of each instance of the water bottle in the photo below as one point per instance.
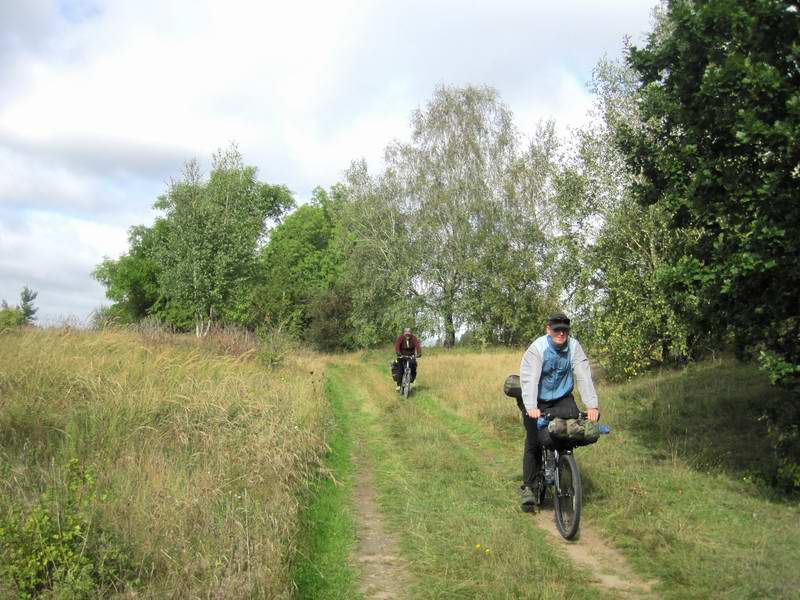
(541, 423)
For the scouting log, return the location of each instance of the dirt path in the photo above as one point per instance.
(384, 574)
(607, 566)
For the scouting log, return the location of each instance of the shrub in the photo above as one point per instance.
(274, 345)
(59, 546)
(11, 317)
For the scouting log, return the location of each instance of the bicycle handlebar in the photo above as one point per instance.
(545, 418)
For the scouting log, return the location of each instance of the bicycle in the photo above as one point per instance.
(405, 382)
(560, 471)
(559, 467)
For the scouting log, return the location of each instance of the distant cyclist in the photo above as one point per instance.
(406, 347)
(550, 367)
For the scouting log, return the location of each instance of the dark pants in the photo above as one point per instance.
(402, 367)
(532, 451)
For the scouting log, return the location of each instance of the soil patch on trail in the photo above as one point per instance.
(606, 566)
(384, 574)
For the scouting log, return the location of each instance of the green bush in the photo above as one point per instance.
(274, 344)
(11, 317)
(58, 546)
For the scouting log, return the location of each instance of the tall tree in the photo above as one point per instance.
(26, 298)
(450, 176)
(381, 269)
(719, 151)
(614, 251)
(512, 280)
(300, 262)
(215, 228)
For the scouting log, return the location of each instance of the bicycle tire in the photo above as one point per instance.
(405, 389)
(568, 496)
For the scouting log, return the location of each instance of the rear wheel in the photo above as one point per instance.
(568, 496)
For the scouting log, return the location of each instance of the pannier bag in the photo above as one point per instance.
(575, 432)
(395, 367)
(512, 387)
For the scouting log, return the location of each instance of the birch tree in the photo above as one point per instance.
(452, 177)
(215, 227)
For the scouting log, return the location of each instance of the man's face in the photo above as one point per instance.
(558, 336)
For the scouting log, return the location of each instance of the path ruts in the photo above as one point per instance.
(384, 573)
(605, 567)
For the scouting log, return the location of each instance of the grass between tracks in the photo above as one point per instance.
(674, 486)
(159, 468)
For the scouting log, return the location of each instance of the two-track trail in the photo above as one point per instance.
(437, 510)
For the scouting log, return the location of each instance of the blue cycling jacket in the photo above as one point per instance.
(548, 373)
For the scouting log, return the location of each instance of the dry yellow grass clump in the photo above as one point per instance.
(201, 457)
(472, 384)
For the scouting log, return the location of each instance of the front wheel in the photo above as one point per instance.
(406, 387)
(568, 496)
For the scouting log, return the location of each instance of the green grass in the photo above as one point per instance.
(196, 467)
(456, 516)
(327, 524)
(676, 486)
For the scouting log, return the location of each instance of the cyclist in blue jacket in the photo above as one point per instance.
(550, 367)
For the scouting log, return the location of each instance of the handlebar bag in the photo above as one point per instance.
(573, 432)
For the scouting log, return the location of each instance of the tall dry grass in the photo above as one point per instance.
(201, 456)
(471, 384)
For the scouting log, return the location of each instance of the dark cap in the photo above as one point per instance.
(558, 322)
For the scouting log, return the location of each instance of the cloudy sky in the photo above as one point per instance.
(102, 101)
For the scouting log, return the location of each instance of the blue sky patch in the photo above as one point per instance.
(77, 11)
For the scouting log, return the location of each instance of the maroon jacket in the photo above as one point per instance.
(408, 346)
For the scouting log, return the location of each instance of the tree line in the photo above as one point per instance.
(668, 225)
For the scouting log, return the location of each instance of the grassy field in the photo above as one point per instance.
(675, 486)
(152, 467)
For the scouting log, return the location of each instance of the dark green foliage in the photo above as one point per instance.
(26, 298)
(329, 313)
(297, 265)
(131, 281)
(719, 149)
(58, 546)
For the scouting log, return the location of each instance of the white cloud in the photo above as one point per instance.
(101, 102)
(55, 256)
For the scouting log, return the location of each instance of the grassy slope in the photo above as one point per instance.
(201, 456)
(204, 457)
(671, 486)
